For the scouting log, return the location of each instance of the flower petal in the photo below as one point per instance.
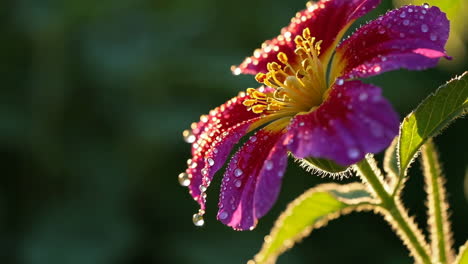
(354, 120)
(327, 20)
(252, 180)
(411, 37)
(222, 123)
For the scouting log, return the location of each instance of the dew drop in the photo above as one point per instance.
(189, 162)
(204, 172)
(238, 172)
(353, 153)
(198, 220)
(403, 14)
(406, 22)
(424, 28)
(268, 165)
(301, 124)
(184, 179)
(215, 150)
(202, 188)
(381, 30)
(426, 5)
(433, 37)
(253, 138)
(410, 10)
(210, 161)
(189, 137)
(340, 81)
(363, 97)
(238, 183)
(377, 69)
(223, 215)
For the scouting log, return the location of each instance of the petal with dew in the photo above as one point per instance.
(327, 20)
(252, 180)
(228, 115)
(411, 37)
(354, 120)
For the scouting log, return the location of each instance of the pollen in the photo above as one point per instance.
(298, 82)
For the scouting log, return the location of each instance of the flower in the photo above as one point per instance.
(305, 111)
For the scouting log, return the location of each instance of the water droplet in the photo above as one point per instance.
(238, 183)
(189, 162)
(353, 153)
(377, 69)
(210, 161)
(268, 165)
(363, 97)
(340, 81)
(202, 188)
(403, 14)
(426, 5)
(204, 172)
(424, 28)
(406, 22)
(223, 215)
(238, 172)
(433, 37)
(381, 30)
(410, 10)
(184, 179)
(384, 58)
(253, 138)
(198, 219)
(301, 124)
(424, 11)
(189, 137)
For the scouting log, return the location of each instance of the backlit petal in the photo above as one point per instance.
(211, 127)
(354, 120)
(327, 21)
(252, 180)
(411, 37)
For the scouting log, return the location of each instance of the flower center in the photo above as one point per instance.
(298, 87)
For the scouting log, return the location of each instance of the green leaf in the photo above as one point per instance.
(462, 257)
(430, 117)
(312, 210)
(323, 166)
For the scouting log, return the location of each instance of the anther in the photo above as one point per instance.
(306, 34)
(283, 58)
(257, 109)
(260, 77)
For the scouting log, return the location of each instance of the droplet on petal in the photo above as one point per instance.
(198, 219)
(253, 138)
(363, 97)
(424, 28)
(403, 14)
(268, 165)
(406, 22)
(202, 188)
(184, 179)
(340, 81)
(433, 37)
(353, 153)
(223, 215)
(189, 137)
(210, 161)
(238, 172)
(238, 183)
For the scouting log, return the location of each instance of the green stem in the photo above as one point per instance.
(396, 214)
(438, 218)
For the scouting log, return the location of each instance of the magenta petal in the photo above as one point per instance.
(210, 127)
(411, 37)
(252, 180)
(325, 19)
(354, 120)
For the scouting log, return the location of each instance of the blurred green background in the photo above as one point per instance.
(94, 97)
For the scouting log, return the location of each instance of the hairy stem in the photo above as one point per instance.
(394, 212)
(439, 226)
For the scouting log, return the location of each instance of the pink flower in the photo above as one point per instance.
(305, 111)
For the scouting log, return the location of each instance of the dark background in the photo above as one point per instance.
(94, 97)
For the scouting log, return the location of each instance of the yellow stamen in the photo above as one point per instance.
(299, 83)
